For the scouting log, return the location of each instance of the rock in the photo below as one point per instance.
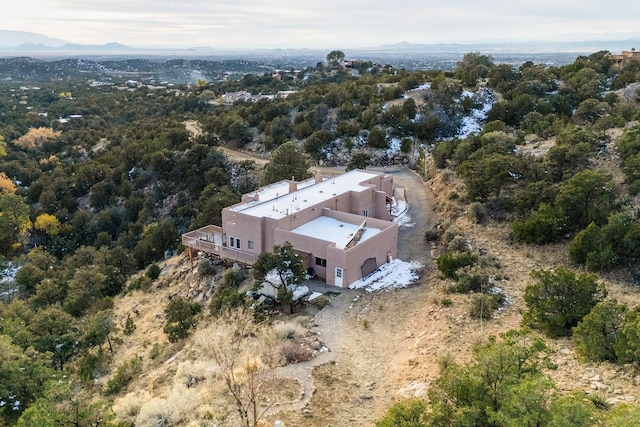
(415, 389)
(597, 385)
(612, 401)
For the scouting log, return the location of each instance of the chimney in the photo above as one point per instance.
(293, 185)
(318, 177)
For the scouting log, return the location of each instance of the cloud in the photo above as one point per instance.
(317, 23)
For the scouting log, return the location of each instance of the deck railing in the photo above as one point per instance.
(210, 239)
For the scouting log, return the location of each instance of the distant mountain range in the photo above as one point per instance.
(22, 43)
(13, 39)
(25, 42)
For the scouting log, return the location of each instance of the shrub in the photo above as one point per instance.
(406, 144)
(294, 353)
(142, 283)
(155, 352)
(432, 235)
(226, 295)
(288, 330)
(322, 302)
(411, 412)
(153, 271)
(459, 244)
(446, 302)
(483, 306)
(477, 213)
(129, 326)
(206, 268)
(450, 262)
(546, 225)
(91, 364)
(559, 299)
(181, 318)
(156, 412)
(124, 375)
(471, 279)
(127, 408)
(596, 335)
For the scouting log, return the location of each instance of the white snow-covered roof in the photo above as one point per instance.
(333, 230)
(276, 202)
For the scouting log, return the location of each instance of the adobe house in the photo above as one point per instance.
(340, 225)
(626, 56)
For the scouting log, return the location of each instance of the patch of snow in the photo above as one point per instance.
(393, 275)
(332, 230)
(424, 86)
(400, 215)
(473, 122)
(274, 278)
(394, 145)
(300, 292)
(314, 296)
(8, 285)
(8, 274)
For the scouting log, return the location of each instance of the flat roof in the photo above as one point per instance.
(276, 202)
(333, 230)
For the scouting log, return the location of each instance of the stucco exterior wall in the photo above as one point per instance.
(260, 232)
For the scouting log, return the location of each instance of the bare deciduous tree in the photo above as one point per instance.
(244, 374)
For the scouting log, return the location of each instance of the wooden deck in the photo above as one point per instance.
(210, 239)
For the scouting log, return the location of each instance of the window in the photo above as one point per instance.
(321, 262)
(365, 213)
(234, 242)
(338, 272)
(250, 244)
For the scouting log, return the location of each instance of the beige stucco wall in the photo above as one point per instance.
(348, 207)
(380, 246)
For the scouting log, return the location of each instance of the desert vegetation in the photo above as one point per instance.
(91, 210)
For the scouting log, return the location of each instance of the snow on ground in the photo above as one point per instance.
(8, 285)
(424, 86)
(393, 275)
(473, 122)
(394, 146)
(299, 292)
(400, 214)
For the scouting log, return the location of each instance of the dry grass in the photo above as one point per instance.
(290, 330)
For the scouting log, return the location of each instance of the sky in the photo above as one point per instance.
(331, 24)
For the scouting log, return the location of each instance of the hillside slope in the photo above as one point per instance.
(382, 346)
